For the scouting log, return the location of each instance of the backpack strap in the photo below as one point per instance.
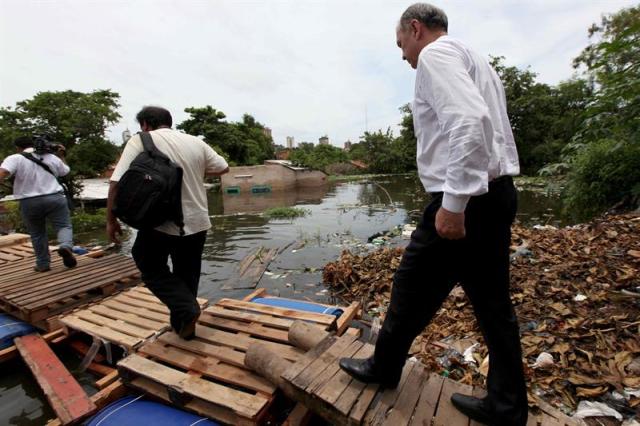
(39, 162)
(147, 143)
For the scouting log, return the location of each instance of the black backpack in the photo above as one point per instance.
(150, 191)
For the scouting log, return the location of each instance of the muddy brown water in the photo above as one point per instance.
(341, 216)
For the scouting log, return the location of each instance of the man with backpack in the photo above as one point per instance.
(41, 197)
(182, 235)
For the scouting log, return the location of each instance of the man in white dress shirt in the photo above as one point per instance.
(466, 158)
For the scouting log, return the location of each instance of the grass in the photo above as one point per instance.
(286, 212)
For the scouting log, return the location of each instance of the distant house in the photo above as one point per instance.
(323, 140)
(274, 175)
(283, 154)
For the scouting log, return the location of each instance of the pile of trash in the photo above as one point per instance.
(576, 291)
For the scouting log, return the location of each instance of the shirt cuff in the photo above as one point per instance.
(455, 203)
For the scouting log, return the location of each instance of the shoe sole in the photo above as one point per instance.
(68, 259)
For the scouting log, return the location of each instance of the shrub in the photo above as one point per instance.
(605, 173)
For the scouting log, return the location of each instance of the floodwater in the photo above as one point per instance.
(341, 216)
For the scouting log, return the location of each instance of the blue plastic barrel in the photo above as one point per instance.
(11, 328)
(298, 305)
(135, 411)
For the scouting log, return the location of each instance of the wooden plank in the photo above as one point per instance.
(115, 325)
(299, 416)
(107, 380)
(402, 410)
(116, 304)
(279, 312)
(11, 352)
(242, 342)
(342, 390)
(248, 328)
(222, 353)
(308, 358)
(200, 407)
(11, 239)
(386, 398)
(548, 420)
(447, 414)
(154, 307)
(281, 323)
(255, 293)
(209, 367)
(240, 402)
(347, 316)
(428, 401)
(133, 319)
(321, 381)
(66, 396)
(320, 364)
(91, 329)
(251, 269)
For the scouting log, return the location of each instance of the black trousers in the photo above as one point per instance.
(177, 288)
(430, 268)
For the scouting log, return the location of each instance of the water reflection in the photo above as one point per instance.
(257, 203)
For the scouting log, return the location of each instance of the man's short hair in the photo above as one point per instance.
(23, 142)
(432, 17)
(155, 117)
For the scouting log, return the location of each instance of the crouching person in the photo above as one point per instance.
(183, 243)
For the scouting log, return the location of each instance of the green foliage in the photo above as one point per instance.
(604, 156)
(82, 221)
(543, 118)
(385, 154)
(243, 143)
(286, 212)
(74, 119)
(318, 157)
(12, 218)
(605, 173)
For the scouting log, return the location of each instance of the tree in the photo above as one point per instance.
(243, 143)
(543, 118)
(604, 156)
(74, 119)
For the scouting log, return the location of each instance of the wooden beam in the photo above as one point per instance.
(66, 396)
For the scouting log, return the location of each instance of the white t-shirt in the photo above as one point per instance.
(196, 159)
(461, 123)
(31, 179)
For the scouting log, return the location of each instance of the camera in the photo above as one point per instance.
(43, 145)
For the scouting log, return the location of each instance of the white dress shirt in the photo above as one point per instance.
(461, 123)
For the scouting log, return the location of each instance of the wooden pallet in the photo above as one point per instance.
(33, 297)
(207, 374)
(127, 319)
(421, 398)
(14, 252)
(11, 239)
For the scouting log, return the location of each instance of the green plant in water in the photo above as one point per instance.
(286, 212)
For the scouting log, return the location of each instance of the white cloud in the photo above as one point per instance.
(303, 68)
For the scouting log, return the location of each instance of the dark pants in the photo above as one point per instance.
(430, 268)
(177, 289)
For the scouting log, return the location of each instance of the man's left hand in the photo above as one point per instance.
(449, 225)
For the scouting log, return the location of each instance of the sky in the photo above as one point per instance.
(302, 68)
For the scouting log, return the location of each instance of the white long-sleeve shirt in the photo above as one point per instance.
(461, 123)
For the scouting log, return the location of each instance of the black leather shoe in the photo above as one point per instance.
(472, 407)
(365, 371)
